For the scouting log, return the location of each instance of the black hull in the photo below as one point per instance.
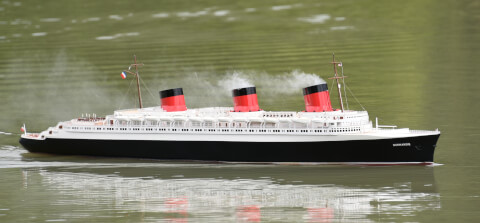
(414, 149)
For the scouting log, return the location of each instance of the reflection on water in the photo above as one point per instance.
(143, 190)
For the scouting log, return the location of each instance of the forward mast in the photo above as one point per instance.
(336, 77)
(137, 76)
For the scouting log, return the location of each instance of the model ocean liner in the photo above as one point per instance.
(244, 133)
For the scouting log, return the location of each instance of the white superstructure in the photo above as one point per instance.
(220, 123)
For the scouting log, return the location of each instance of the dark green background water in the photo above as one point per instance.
(411, 63)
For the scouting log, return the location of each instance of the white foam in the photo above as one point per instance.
(93, 19)
(191, 14)
(281, 7)
(132, 34)
(339, 18)
(221, 13)
(341, 27)
(20, 21)
(50, 20)
(105, 37)
(115, 17)
(250, 10)
(118, 35)
(160, 15)
(322, 18)
(39, 34)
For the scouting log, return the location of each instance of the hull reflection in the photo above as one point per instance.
(247, 193)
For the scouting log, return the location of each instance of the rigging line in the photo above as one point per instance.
(125, 95)
(344, 90)
(355, 98)
(146, 87)
(330, 92)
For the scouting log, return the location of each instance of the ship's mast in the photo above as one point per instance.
(336, 79)
(136, 65)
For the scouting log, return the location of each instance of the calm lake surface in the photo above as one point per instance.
(411, 63)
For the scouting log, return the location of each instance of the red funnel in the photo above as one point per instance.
(245, 99)
(317, 98)
(173, 100)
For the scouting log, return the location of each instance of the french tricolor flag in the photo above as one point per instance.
(124, 75)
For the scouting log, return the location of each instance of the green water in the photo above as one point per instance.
(410, 63)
